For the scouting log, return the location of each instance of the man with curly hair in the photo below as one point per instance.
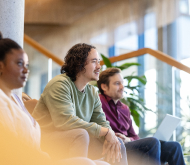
(70, 104)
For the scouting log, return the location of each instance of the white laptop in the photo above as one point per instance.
(166, 128)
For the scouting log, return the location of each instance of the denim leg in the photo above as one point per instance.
(143, 151)
(95, 151)
(123, 160)
(171, 152)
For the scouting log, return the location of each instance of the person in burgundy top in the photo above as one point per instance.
(146, 151)
(119, 117)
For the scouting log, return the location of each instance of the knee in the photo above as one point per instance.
(177, 146)
(82, 135)
(154, 141)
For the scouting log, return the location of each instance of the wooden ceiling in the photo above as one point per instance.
(60, 12)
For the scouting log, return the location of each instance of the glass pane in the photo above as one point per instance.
(166, 92)
(38, 76)
(41, 69)
(56, 69)
(183, 109)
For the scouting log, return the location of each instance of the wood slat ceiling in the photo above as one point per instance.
(59, 12)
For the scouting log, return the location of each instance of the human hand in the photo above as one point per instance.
(123, 137)
(112, 147)
(30, 105)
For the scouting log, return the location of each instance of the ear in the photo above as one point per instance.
(104, 87)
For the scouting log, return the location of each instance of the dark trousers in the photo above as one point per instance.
(95, 151)
(151, 151)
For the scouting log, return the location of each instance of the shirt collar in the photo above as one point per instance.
(109, 99)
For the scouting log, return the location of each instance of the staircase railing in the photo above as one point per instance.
(158, 54)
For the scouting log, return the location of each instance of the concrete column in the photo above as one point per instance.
(12, 19)
(12, 22)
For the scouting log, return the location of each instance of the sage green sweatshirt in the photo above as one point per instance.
(63, 107)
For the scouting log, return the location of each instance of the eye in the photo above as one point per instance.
(20, 63)
(27, 66)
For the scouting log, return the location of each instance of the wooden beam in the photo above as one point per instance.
(157, 54)
(168, 59)
(42, 50)
(127, 56)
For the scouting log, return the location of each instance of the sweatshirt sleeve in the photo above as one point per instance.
(59, 103)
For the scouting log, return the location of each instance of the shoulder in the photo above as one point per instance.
(2, 96)
(58, 82)
(102, 97)
(104, 101)
(92, 89)
(124, 105)
(62, 78)
(125, 108)
(4, 100)
(4, 104)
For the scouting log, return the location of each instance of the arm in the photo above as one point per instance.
(124, 138)
(30, 105)
(58, 100)
(111, 145)
(131, 133)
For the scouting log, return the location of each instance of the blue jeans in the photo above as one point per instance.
(151, 151)
(95, 151)
(123, 160)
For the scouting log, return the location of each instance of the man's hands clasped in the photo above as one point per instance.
(112, 147)
(123, 137)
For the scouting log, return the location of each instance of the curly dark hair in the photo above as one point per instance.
(104, 77)
(75, 60)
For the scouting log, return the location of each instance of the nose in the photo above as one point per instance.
(121, 86)
(98, 66)
(25, 70)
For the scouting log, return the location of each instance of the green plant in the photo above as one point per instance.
(186, 129)
(134, 101)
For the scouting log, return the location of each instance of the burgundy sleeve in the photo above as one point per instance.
(131, 133)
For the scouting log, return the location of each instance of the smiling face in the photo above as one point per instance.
(115, 88)
(14, 69)
(92, 67)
